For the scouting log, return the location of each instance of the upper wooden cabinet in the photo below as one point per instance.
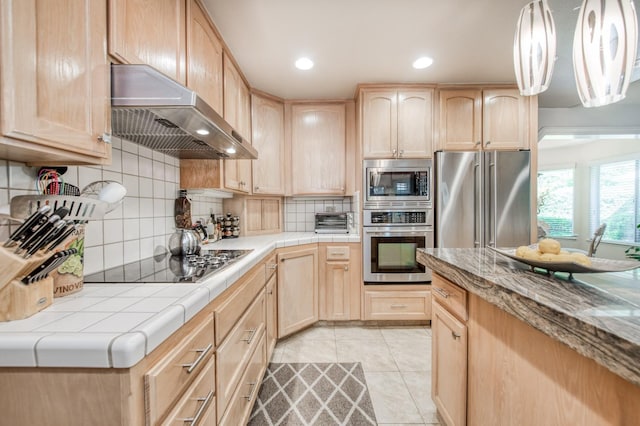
(397, 123)
(318, 149)
(204, 56)
(153, 33)
(237, 112)
(473, 119)
(267, 117)
(54, 80)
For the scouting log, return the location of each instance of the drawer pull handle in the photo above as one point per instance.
(252, 333)
(194, 364)
(193, 421)
(441, 292)
(398, 306)
(273, 265)
(455, 335)
(252, 389)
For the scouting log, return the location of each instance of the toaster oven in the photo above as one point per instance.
(332, 223)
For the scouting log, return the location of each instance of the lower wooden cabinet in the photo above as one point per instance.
(166, 381)
(198, 404)
(340, 281)
(297, 288)
(397, 302)
(449, 366)
(272, 314)
(235, 352)
(245, 396)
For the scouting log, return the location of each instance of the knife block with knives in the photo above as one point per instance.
(32, 251)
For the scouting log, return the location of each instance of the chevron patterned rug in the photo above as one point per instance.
(305, 394)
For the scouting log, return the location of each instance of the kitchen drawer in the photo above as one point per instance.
(243, 399)
(167, 379)
(450, 296)
(271, 265)
(234, 353)
(338, 253)
(229, 311)
(198, 404)
(397, 305)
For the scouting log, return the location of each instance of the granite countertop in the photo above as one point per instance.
(116, 325)
(598, 315)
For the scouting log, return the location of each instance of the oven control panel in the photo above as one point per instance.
(397, 217)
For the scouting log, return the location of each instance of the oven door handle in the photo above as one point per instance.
(397, 232)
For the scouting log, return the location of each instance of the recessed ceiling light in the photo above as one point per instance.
(422, 62)
(202, 132)
(231, 150)
(304, 64)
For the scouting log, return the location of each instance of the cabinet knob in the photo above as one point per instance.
(256, 188)
(401, 152)
(478, 143)
(455, 335)
(346, 268)
(487, 144)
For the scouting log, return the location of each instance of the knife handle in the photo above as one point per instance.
(62, 237)
(29, 223)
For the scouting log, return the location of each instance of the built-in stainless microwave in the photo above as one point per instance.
(397, 183)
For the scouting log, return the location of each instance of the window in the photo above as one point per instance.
(614, 200)
(555, 202)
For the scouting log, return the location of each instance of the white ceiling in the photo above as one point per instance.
(375, 41)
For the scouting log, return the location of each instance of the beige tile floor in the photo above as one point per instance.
(396, 363)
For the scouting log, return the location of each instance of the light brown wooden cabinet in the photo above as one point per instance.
(449, 351)
(489, 118)
(397, 302)
(204, 56)
(272, 313)
(397, 122)
(153, 34)
(237, 112)
(297, 288)
(318, 149)
(340, 281)
(54, 76)
(258, 215)
(267, 118)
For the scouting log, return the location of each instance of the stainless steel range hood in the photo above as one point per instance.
(153, 110)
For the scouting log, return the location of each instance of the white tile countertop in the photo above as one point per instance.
(116, 325)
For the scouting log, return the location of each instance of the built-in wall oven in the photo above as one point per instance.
(390, 240)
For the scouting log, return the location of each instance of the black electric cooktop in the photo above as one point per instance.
(169, 269)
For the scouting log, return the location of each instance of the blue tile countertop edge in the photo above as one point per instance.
(597, 315)
(117, 325)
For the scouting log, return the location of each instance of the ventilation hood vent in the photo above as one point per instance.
(155, 111)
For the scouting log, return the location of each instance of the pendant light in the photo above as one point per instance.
(604, 50)
(534, 48)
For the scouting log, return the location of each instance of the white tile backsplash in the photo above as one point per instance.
(141, 225)
(300, 214)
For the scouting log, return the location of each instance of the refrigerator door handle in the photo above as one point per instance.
(492, 202)
(477, 203)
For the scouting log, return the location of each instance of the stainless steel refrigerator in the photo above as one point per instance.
(483, 198)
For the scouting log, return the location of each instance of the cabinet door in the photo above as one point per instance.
(55, 79)
(460, 119)
(237, 110)
(272, 314)
(271, 216)
(318, 149)
(204, 57)
(337, 285)
(449, 366)
(297, 290)
(153, 33)
(379, 124)
(268, 139)
(504, 119)
(415, 123)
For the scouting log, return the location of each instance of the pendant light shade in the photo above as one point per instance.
(534, 48)
(604, 50)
